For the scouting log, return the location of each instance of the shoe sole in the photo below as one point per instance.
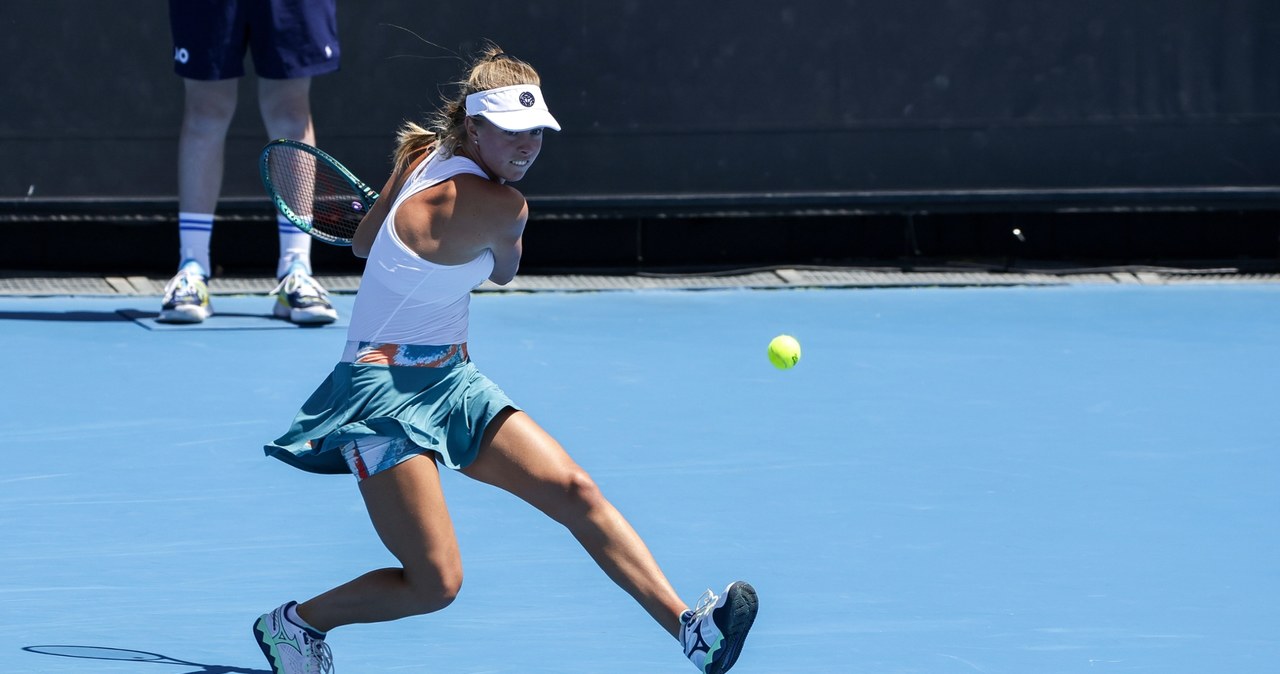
(739, 613)
(192, 315)
(304, 316)
(260, 636)
(312, 319)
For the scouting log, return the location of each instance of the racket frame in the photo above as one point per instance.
(366, 194)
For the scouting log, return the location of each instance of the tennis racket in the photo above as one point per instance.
(314, 191)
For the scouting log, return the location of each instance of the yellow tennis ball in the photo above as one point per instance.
(784, 352)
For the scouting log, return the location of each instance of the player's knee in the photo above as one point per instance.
(450, 586)
(435, 586)
(208, 113)
(581, 494)
(290, 118)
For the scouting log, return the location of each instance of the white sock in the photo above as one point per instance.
(194, 231)
(295, 246)
(291, 614)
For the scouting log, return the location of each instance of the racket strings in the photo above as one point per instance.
(317, 193)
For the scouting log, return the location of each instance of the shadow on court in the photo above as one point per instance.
(128, 655)
(221, 319)
(117, 316)
(65, 316)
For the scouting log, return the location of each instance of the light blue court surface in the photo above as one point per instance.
(1003, 481)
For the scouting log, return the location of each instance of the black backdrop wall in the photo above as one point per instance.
(746, 104)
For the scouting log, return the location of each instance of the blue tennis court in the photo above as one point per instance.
(995, 480)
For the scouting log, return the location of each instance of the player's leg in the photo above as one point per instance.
(407, 507)
(292, 42)
(519, 456)
(286, 112)
(208, 54)
(286, 108)
(208, 106)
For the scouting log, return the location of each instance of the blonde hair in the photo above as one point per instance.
(445, 130)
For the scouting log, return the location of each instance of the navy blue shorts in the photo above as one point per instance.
(288, 38)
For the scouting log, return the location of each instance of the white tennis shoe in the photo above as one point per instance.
(301, 300)
(713, 632)
(186, 297)
(289, 648)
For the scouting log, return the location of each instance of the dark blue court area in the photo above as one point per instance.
(981, 480)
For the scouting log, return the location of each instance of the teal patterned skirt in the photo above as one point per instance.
(433, 396)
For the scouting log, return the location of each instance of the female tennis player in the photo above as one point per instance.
(406, 398)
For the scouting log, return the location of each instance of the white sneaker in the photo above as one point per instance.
(291, 649)
(186, 296)
(713, 632)
(301, 300)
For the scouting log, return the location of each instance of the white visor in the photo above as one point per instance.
(518, 108)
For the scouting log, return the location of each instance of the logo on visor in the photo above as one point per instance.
(526, 99)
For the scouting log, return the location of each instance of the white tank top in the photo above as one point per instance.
(404, 299)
